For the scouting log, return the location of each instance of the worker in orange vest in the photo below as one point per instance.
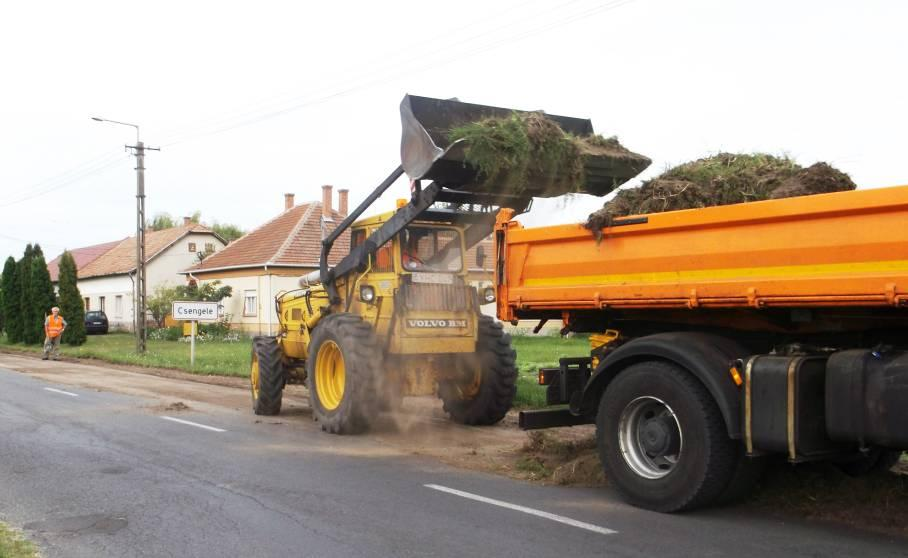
(54, 325)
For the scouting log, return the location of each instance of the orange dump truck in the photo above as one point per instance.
(724, 335)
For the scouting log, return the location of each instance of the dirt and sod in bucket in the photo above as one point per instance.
(723, 179)
(530, 152)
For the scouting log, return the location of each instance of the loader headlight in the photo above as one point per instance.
(367, 293)
(488, 295)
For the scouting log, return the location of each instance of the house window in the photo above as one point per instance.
(118, 306)
(192, 246)
(101, 305)
(87, 304)
(250, 303)
(209, 247)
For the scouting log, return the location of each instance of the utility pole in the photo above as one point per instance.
(141, 292)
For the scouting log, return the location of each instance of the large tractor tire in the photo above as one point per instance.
(343, 373)
(662, 440)
(266, 376)
(490, 400)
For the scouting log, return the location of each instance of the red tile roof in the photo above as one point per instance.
(293, 238)
(82, 256)
(122, 257)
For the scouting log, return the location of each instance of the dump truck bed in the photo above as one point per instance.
(847, 249)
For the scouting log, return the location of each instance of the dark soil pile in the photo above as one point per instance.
(877, 502)
(528, 152)
(726, 178)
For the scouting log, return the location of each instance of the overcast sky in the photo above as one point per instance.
(252, 100)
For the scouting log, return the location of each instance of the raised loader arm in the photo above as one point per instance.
(427, 153)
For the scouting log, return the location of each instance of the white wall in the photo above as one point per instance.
(265, 288)
(163, 269)
(110, 287)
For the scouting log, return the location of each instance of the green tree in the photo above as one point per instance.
(41, 298)
(72, 308)
(227, 231)
(211, 291)
(9, 285)
(161, 221)
(23, 279)
(160, 302)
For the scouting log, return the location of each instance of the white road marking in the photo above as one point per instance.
(63, 392)
(197, 425)
(530, 511)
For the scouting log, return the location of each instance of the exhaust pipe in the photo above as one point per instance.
(311, 279)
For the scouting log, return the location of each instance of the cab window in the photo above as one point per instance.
(431, 249)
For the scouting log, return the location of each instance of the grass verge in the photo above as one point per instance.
(211, 357)
(14, 545)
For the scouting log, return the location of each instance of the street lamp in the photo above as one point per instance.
(140, 289)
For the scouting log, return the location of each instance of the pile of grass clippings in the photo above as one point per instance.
(723, 179)
(527, 151)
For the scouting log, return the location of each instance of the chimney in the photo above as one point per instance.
(342, 196)
(326, 201)
(187, 221)
(288, 201)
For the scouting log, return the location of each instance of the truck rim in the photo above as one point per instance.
(650, 437)
(330, 375)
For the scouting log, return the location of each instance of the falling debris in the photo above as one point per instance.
(724, 179)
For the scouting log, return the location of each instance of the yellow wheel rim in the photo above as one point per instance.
(254, 377)
(330, 375)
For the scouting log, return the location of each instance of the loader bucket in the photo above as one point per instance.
(428, 153)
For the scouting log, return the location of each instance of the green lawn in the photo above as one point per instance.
(538, 351)
(222, 358)
(14, 545)
(232, 358)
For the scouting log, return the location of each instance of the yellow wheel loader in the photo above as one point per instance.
(397, 315)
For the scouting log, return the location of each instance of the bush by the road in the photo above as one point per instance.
(14, 545)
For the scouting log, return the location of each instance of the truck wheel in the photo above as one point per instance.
(490, 400)
(266, 376)
(875, 462)
(343, 370)
(662, 440)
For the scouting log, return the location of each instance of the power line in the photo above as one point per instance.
(67, 181)
(384, 77)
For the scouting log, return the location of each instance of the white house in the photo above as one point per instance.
(107, 271)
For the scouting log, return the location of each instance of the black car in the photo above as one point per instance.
(95, 322)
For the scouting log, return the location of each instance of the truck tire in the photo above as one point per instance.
(877, 461)
(266, 376)
(662, 440)
(343, 373)
(497, 382)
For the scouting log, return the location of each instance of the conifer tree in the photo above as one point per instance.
(41, 297)
(71, 306)
(12, 319)
(23, 278)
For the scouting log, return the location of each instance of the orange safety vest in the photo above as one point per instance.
(54, 325)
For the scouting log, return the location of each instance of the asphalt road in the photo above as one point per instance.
(97, 474)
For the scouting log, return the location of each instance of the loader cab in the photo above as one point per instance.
(419, 248)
